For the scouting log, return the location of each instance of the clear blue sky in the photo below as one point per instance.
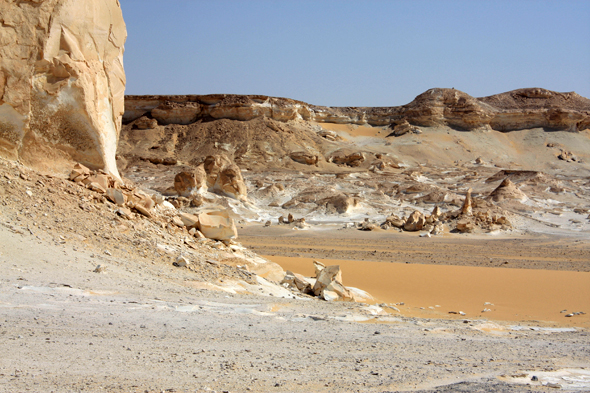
(355, 53)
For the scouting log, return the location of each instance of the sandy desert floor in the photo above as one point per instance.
(516, 278)
(65, 328)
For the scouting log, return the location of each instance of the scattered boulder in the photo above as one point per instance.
(189, 220)
(303, 157)
(394, 221)
(145, 123)
(116, 196)
(230, 182)
(182, 261)
(403, 127)
(438, 228)
(217, 225)
(298, 282)
(79, 173)
(352, 160)
(465, 226)
(507, 190)
(328, 284)
(342, 203)
(189, 183)
(567, 156)
(367, 225)
(329, 135)
(142, 210)
(415, 221)
(124, 212)
(213, 165)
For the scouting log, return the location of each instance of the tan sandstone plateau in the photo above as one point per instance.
(252, 243)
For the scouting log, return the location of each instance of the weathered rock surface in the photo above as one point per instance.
(61, 82)
(403, 127)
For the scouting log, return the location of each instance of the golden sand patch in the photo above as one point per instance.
(432, 291)
(354, 130)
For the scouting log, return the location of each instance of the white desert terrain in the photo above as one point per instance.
(238, 243)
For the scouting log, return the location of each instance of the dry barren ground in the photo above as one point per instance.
(143, 326)
(65, 328)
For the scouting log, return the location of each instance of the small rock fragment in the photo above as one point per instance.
(182, 261)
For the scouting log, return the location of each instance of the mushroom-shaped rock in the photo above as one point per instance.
(394, 221)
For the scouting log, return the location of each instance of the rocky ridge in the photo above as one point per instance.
(514, 110)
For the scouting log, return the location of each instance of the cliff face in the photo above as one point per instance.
(61, 81)
(515, 110)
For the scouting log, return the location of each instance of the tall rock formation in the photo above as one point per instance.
(61, 82)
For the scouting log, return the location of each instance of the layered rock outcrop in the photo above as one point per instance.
(514, 110)
(61, 82)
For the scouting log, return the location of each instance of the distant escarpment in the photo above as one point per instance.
(514, 110)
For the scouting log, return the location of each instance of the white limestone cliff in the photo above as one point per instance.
(62, 82)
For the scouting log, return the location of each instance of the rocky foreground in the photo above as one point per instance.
(138, 323)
